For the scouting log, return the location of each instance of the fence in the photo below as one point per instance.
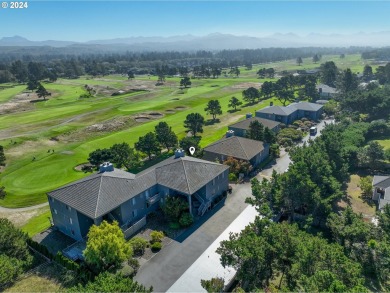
(130, 231)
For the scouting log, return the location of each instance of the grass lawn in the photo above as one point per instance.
(385, 143)
(38, 223)
(32, 171)
(356, 201)
(48, 278)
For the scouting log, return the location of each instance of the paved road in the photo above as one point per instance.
(167, 266)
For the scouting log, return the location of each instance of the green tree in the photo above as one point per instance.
(138, 244)
(185, 81)
(316, 58)
(2, 156)
(251, 95)
(100, 156)
(106, 246)
(32, 85)
(42, 92)
(19, 70)
(194, 122)
(148, 144)
(213, 108)
(213, 285)
(173, 207)
(165, 135)
(192, 141)
(365, 185)
(329, 73)
(10, 269)
(311, 91)
(106, 282)
(299, 61)
(124, 155)
(367, 73)
(285, 96)
(267, 89)
(234, 103)
(371, 155)
(269, 136)
(130, 74)
(347, 82)
(256, 130)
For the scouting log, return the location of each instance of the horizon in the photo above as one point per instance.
(99, 20)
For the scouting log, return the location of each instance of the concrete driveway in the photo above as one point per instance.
(172, 261)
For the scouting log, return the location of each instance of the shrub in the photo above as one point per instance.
(232, 177)
(139, 244)
(174, 225)
(156, 246)
(186, 220)
(134, 263)
(126, 270)
(174, 207)
(157, 236)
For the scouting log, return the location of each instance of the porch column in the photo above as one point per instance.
(189, 204)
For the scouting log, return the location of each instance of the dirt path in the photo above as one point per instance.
(10, 210)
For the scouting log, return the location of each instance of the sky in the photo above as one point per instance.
(96, 20)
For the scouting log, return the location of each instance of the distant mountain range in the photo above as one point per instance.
(215, 41)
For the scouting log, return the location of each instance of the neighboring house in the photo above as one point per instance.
(281, 114)
(237, 147)
(325, 91)
(381, 190)
(242, 127)
(113, 194)
(292, 112)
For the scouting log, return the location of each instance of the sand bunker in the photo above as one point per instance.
(142, 119)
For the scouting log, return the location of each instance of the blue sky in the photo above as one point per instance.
(91, 20)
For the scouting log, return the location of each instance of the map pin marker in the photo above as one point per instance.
(192, 150)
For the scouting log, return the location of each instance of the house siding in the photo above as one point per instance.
(63, 215)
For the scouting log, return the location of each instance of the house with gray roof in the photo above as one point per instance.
(381, 190)
(237, 147)
(325, 91)
(242, 127)
(113, 194)
(292, 112)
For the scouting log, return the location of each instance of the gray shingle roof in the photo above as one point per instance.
(244, 124)
(381, 181)
(326, 89)
(237, 147)
(278, 110)
(100, 193)
(305, 106)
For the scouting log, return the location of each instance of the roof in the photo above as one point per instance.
(326, 89)
(100, 193)
(237, 147)
(305, 106)
(278, 110)
(381, 181)
(244, 124)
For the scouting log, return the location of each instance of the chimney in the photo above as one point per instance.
(106, 167)
(229, 133)
(271, 104)
(179, 153)
(248, 115)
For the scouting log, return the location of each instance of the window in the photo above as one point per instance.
(68, 208)
(52, 199)
(134, 213)
(133, 200)
(71, 221)
(147, 193)
(55, 211)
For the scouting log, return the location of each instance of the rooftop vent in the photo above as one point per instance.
(106, 167)
(179, 153)
(229, 133)
(248, 115)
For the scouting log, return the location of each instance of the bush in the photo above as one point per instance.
(156, 246)
(174, 225)
(139, 244)
(134, 263)
(174, 207)
(157, 236)
(126, 270)
(232, 177)
(186, 220)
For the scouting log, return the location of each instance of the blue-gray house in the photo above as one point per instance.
(113, 194)
(292, 112)
(237, 147)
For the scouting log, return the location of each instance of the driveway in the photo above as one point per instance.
(172, 261)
